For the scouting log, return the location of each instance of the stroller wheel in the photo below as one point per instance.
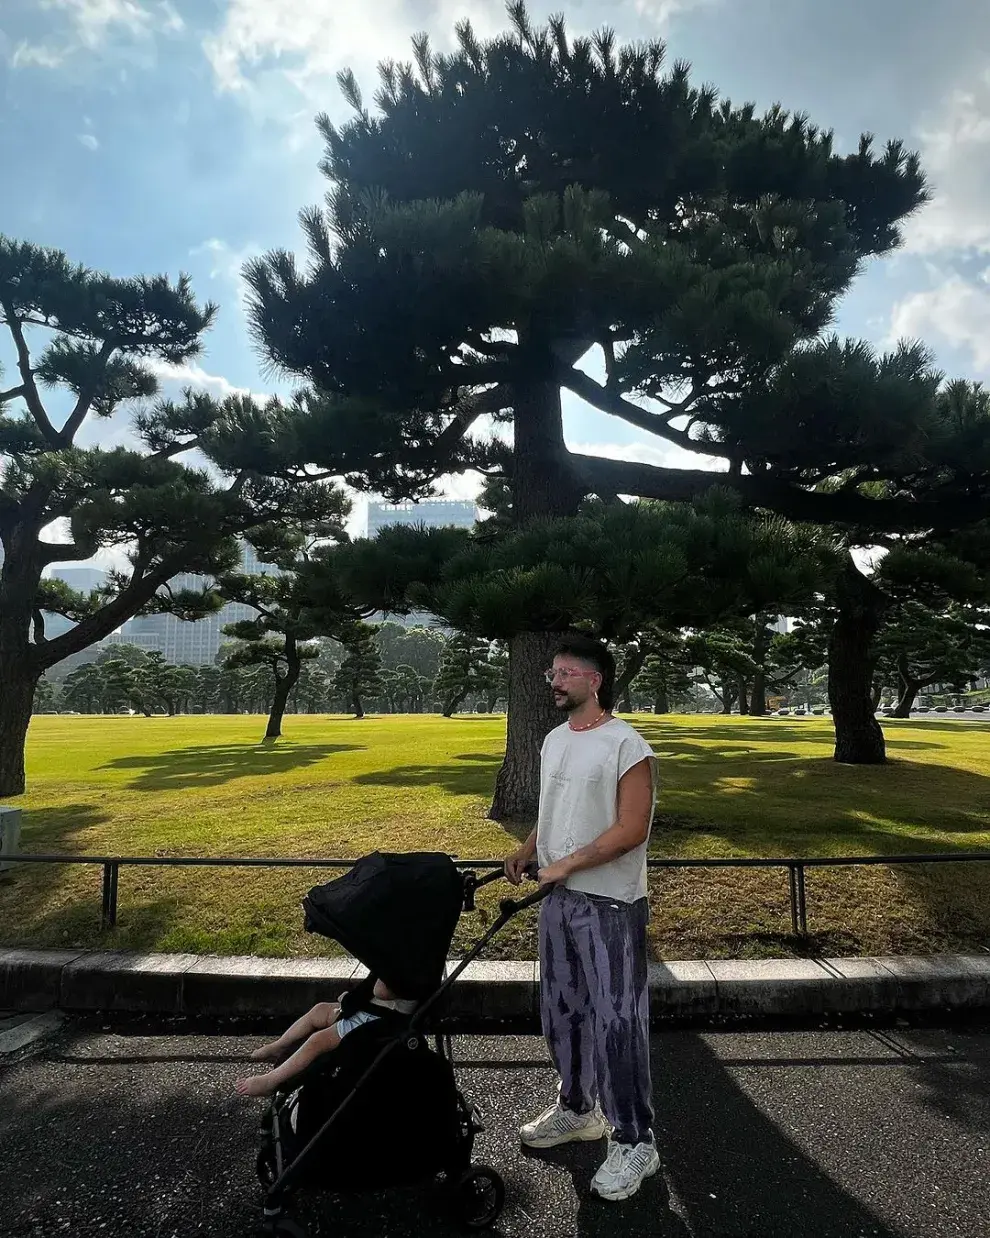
(479, 1196)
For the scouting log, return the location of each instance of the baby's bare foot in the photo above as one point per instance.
(267, 1053)
(254, 1085)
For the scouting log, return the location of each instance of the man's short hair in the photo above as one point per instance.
(586, 649)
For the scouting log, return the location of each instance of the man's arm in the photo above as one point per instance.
(631, 828)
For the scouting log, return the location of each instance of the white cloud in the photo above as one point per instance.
(27, 55)
(664, 11)
(88, 140)
(225, 261)
(188, 374)
(955, 147)
(310, 42)
(90, 24)
(957, 310)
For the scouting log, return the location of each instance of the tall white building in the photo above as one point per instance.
(196, 642)
(432, 514)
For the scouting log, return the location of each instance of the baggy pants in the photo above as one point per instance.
(595, 1007)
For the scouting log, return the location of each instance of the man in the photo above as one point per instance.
(597, 795)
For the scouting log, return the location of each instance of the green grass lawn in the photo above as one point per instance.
(340, 787)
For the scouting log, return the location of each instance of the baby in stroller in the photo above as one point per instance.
(321, 1030)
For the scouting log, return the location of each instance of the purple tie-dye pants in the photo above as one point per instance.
(595, 1007)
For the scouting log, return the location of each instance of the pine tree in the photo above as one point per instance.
(529, 200)
(97, 341)
(289, 619)
(465, 670)
(359, 675)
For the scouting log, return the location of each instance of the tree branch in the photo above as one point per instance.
(65, 552)
(175, 449)
(84, 401)
(12, 394)
(29, 387)
(617, 406)
(648, 481)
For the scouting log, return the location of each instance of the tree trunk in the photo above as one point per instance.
(661, 703)
(541, 485)
(858, 736)
(453, 705)
(631, 667)
(17, 688)
(743, 703)
(283, 688)
(531, 714)
(758, 696)
(910, 687)
(357, 706)
(20, 668)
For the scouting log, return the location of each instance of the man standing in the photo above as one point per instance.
(597, 795)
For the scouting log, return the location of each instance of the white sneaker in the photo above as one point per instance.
(559, 1125)
(625, 1170)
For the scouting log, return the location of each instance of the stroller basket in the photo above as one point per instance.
(396, 914)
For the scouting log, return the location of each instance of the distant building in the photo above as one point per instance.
(197, 642)
(82, 579)
(432, 514)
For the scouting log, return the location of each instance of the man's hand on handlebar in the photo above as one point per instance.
(517, 863)
(515, 866)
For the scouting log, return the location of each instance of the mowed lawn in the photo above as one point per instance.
(340, 787)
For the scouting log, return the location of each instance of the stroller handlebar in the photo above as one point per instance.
(508, 906)
(511, 906)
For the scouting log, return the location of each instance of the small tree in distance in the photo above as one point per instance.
(359, 675)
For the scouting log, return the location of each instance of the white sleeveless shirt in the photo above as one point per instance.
(579, 783)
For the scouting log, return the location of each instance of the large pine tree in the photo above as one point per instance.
(512, 206)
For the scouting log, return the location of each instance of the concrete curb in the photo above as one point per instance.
(201, 985)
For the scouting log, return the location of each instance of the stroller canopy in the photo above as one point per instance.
(396, 914)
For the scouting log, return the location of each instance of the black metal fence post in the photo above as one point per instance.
(802, 906)
(109, 915)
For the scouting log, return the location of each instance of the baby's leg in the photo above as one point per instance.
(320, 1017)
(318, 1043)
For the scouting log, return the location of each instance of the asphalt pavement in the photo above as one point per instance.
(125, 1130)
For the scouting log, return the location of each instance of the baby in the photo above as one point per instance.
(321, 1030)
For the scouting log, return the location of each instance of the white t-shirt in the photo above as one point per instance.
(579, 784)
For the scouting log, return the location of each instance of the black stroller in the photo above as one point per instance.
(393, 1076)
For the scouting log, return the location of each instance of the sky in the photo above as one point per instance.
(143, 136)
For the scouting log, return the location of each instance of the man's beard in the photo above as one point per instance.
(565, 703)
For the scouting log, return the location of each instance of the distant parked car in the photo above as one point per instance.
(800, 712)
(941, 709)
(958, 709)
(979, 709)
(782, 712)
(921, 709)
(819, 710)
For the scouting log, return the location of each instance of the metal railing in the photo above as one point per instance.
(112, 864)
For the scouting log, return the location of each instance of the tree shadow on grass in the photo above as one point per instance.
(214, 764)
(675, 739)
(466, 773)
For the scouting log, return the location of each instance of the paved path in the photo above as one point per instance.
(763, 1135)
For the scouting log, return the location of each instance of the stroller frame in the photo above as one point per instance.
(479, 1190)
